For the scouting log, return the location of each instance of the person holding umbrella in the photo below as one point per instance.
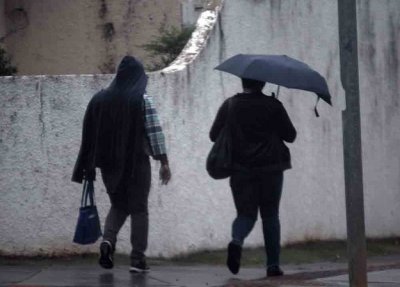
(258, 127)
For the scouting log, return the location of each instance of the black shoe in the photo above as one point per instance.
(234, 256)
(139, 267)
(106, 255)
(274, 271)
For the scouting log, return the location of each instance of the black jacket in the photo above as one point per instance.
(113, 127)
(259, 126)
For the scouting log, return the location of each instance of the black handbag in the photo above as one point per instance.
(88, 228)
(219, 160)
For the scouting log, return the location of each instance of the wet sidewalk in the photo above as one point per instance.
(383, 272)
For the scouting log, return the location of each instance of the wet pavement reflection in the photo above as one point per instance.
(385, 272)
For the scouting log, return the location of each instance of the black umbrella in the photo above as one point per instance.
(277, 69)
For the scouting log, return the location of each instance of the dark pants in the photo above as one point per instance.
(253, 192)
(130, 200)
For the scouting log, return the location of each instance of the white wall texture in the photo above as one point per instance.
(41, 119)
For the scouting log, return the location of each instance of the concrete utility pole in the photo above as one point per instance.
(356, 245)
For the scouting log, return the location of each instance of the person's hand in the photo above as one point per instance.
(165, 173)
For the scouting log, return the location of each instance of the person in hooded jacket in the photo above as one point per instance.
(121, 129)
(259, 125)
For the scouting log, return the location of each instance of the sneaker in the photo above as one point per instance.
(139, 267)
(234, 256)
(274, 271)
(106, 255)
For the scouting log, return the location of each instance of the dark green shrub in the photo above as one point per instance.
(6, 68)
(167, 46)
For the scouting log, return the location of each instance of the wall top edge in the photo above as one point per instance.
(198, 41)
(64, 76)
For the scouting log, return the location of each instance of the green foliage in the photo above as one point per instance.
(6, 68)
(167, 46)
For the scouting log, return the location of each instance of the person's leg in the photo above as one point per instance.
(118, 211)
(241, 228)
(245, 199)
(114, 221)
(271, 191)
(242, 186)
(138, 201)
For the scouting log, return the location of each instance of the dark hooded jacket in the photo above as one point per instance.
(113, 127)
(259, 126)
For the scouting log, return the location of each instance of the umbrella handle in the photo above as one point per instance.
(315, 108)
(277, 93)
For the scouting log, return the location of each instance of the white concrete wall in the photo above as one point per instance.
(379, 48)
(41, 121)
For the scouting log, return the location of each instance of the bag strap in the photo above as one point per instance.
(83, 199)
(91, 192)
(87, 193)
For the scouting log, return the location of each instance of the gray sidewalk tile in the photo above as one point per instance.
(384, 273)
(88, 276)
(92, 275)
(14, 274)
(390, 277)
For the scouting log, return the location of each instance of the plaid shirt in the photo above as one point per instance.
(153, 128)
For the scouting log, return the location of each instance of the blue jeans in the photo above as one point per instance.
(253, 192)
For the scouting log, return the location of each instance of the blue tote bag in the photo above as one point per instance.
(88, 228)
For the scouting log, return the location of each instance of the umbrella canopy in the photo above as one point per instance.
(277, 69)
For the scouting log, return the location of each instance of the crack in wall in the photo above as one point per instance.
(108, 32)
(222, 51)
(41, 113)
